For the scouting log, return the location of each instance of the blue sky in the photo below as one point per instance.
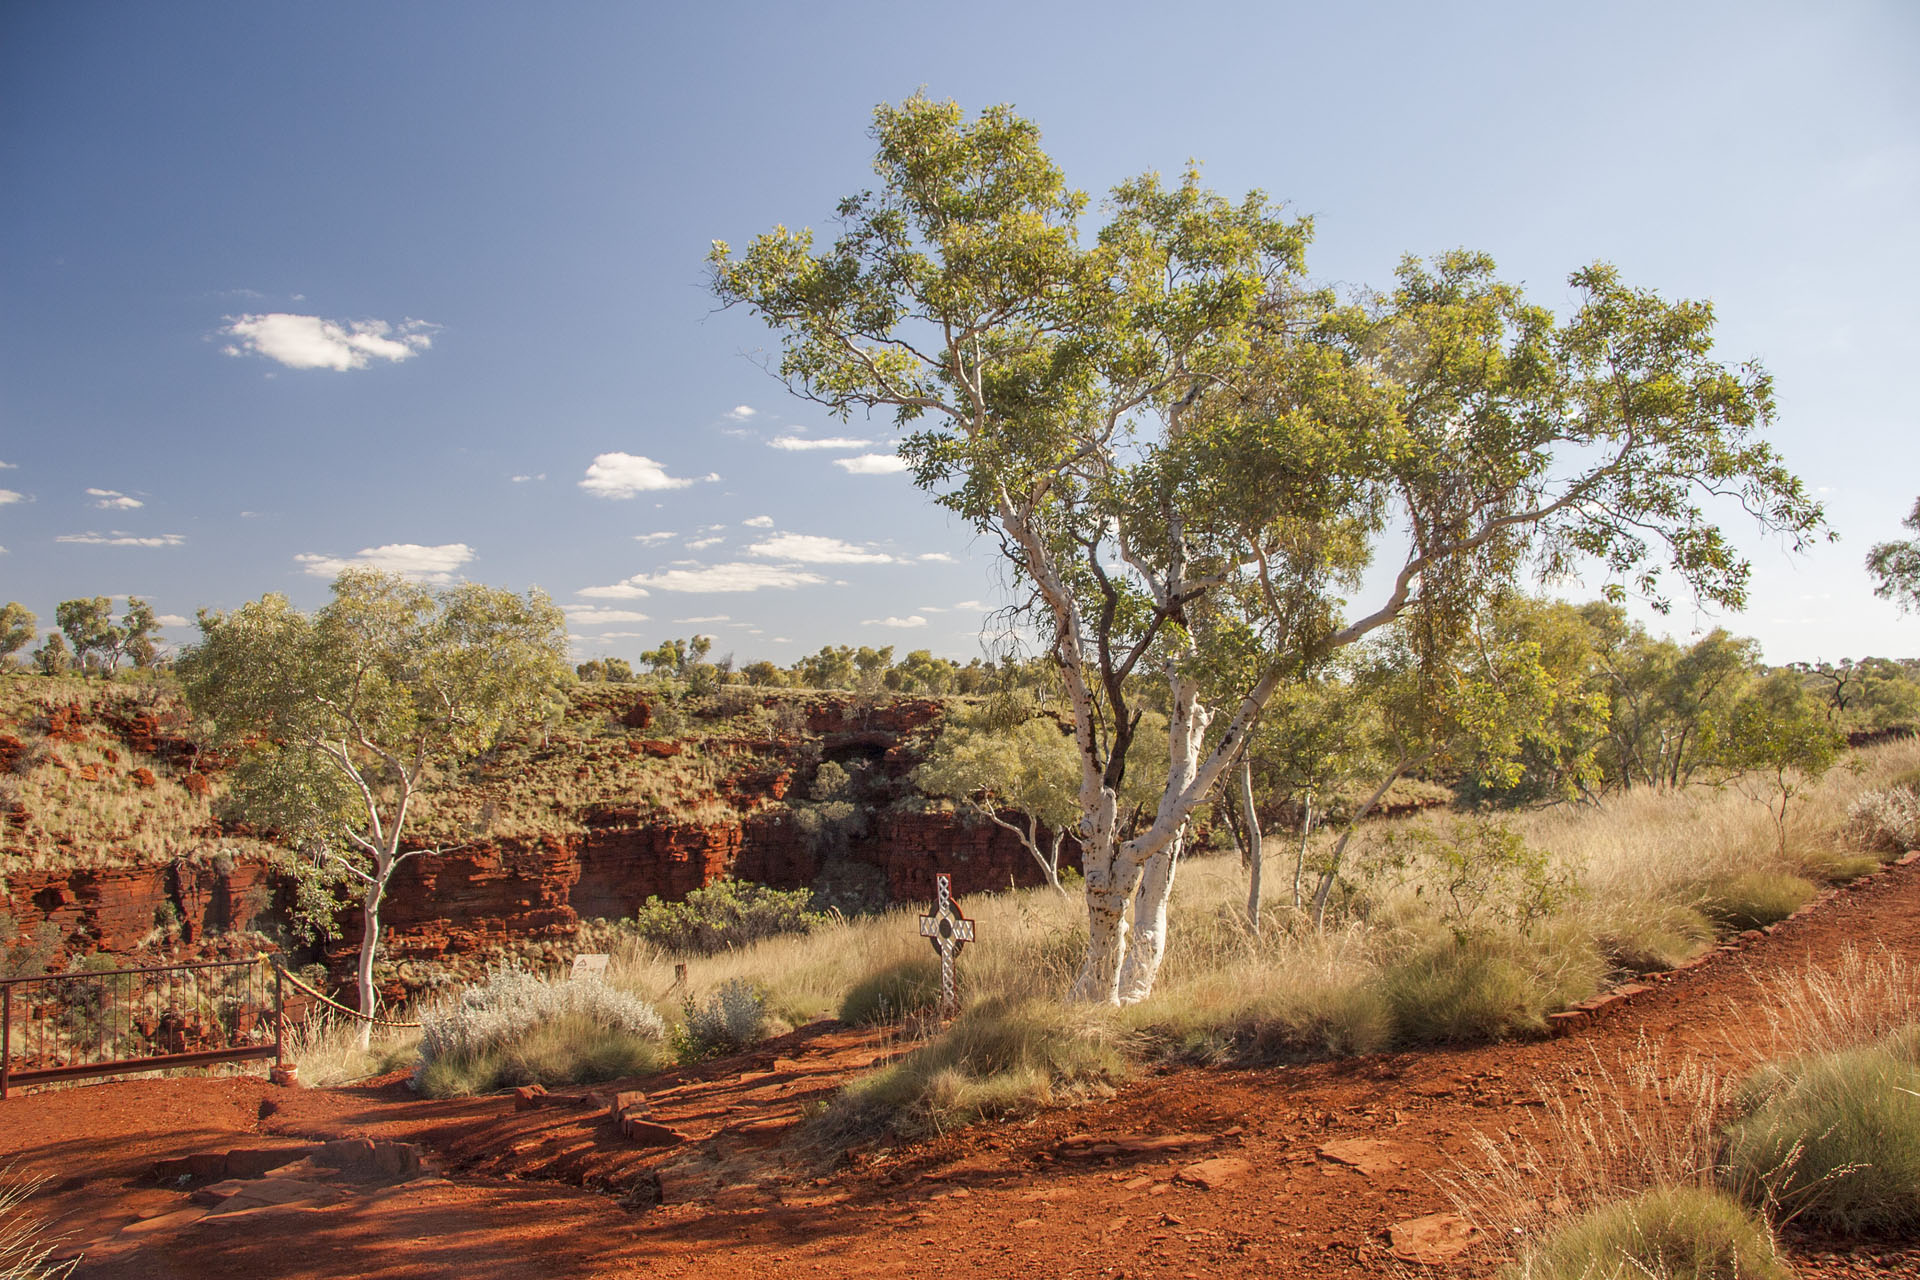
(285, 287)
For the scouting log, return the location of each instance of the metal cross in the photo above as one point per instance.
(948, 931)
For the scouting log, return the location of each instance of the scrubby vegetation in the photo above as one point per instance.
(1667, 1233)
(26, 1246)
(517, 1029)
(1833, 1139)
(720, 917)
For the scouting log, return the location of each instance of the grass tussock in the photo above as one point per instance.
(893, 994)
(517, 1029)
(1754, 899)
(26, 1247)
(999, 1058)
(1833, 1139)
(326, 1048)
(1666, 1233)
(1451, 990)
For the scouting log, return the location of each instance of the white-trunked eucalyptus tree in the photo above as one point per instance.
(343, 717)
(1190, 454)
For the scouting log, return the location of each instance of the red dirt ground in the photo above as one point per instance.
(535, 1193)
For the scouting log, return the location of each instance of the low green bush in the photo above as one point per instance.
(1668, 1233)
(1752, 899)
(1834, 1138)
(1486, 987)
(1313, 1016)
(724, 915)
(1000, 1058)
(895, 992)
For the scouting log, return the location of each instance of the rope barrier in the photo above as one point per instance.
(327, 999)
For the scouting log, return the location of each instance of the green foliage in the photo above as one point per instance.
(1485, 988)
(53, 658)
(1833, 1139)
(893, 993)
(516, 1029)
(18, 626)
(99, 643)
(1896, 566)
(1666, 1233)
(1475, 874)
(1781, 737)
(724, 915)
(1752, 899)
(733, 1017)
(999, 1058)
(605, 671)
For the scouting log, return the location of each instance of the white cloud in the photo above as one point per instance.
(8, 466)
(525, 479)
(9, 496)
(121, 538)
(758, 522)
(701, 544)
(621, 475)
(618, 591)
(780, 640)
(113, 500)
(702, 620)
(310, 342)
(872, 464)
(813, 549)
(741, 412)
(650, 538)
(937, 557)
(171, 620)
(408, 559)
(910, 622)
(706, 579)
(593, 615)
(797, 443)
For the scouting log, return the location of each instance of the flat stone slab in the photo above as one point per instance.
(1221, 1171)
(1434, 1239)
(1369, 1155)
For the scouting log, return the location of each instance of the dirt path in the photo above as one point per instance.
(1291, 1171)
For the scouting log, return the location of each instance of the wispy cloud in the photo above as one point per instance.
(813, 549)
(593, 615)
(8, 466)
(703, 620)
(170, 620)
(311, 342)
(758, 522)
(701, 544)
(907, 623)
(936, 557)
(872, 464)
(741, 412)
(113, 500)
(706, 579)
(649, 539)
(622, 475)
(528, 479)
(121, 538)
(437, 565)
(8, 497)
(795, 444)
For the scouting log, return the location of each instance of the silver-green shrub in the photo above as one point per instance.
(511, 1002)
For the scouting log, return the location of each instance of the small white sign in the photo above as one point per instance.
(589, 967)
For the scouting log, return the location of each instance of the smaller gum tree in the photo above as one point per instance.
(341, 718)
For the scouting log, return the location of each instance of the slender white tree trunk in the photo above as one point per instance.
(369, 944)
(1110, 883)
(1256, 855)
(1300, 858)
(1148, 945)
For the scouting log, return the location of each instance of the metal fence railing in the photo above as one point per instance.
(67, 1026)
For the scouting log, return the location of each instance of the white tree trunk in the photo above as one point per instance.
(1147, 946)
(369, 944)
(1256, 855)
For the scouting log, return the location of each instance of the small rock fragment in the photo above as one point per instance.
(1216, 1173)
(1436, 1238)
